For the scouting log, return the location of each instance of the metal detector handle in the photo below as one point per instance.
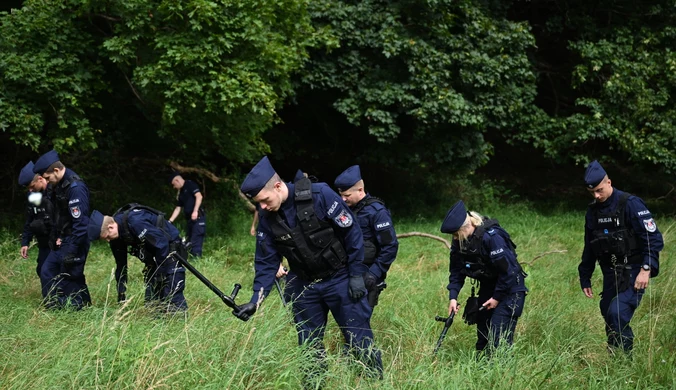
(235, 290)
(448, 321)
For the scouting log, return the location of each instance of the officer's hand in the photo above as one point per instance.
(252, 231)
(370, 281)
(490, 304)
(642, 280)
(282, 271)
(245, 311)
(194, 216)
(453, 307)
(356, 287)
(58, 242)
(588, 292)
(24, 252)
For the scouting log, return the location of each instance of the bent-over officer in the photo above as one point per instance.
(150, 238)
(483, 251)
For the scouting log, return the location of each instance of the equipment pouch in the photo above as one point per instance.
(471, 309)
(623, 277)
(38, 227)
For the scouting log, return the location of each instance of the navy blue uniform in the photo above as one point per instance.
(39, 224)
(195, 230)
(619, 299)
(505, 285)
(164, 276)
(380, 239)
(312, 300)
(63, 270)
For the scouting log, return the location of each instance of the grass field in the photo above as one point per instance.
(560, 340)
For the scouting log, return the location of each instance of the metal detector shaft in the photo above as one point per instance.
(281, 293)
(228, 300)
(448, 321)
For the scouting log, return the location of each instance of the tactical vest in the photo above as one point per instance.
(312, 248)
(371, 246)
(42, 219)
(475, 266)
(64, 225)
(612, 241)
(136, 247)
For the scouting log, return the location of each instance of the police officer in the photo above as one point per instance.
(39, 217)
(622, 236)
(151, 239)
(63, 270)
(189, 199)
(313, 228)
(483, 251)
(380, 239)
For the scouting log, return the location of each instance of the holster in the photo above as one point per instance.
(374, 294)
(622, 277)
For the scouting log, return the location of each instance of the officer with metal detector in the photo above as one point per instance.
(483, 251)
(313, 228)
(147, 235)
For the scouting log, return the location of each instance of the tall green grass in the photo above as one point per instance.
(560, 340)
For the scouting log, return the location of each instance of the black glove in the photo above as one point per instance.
(69, 262)
(245, 311)
(370, 281)
(355, 287)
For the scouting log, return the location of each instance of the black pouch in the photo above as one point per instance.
(471, 309)
(623, 277)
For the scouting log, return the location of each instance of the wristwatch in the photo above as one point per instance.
(645, 267)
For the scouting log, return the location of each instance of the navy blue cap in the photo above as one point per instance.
(26, 176)
(256, 179)
(299, 175)
(95, 223)
(348, 178)
(455, 218)
(594, 174)
(173, 175)
(45, 161)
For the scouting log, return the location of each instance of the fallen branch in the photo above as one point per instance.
(432, 236)
(529, 263)
(204, 172)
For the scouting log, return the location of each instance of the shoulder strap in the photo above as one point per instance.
(126, 209)
(368, 201)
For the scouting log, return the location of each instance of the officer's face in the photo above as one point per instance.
(177, 182)
(53, 176)
(602, 191)
(38, 184)
(352, 196)
(270, 199)
(111, 233)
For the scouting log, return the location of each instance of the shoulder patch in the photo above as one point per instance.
(497, 251)
(344, 219)
(643, 212)
(383, 225)
(650, 225)
(332, 208)
(75, 211)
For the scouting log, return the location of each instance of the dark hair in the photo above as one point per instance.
(54, 165)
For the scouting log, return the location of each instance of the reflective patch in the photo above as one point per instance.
(642, 213)
(497, 251)
(491, 231)
(650, 225)
(382, 225)
(344, 219)
(75, 211)
(74, 201)
(261, 235)
(333, 208)
(143, 233)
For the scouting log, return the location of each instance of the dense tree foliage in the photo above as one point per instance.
(208, 75)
